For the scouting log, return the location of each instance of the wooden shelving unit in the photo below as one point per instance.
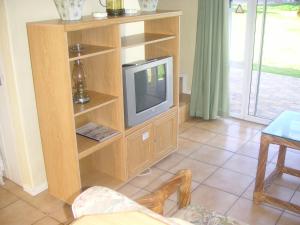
(74, 162)
(144, 39)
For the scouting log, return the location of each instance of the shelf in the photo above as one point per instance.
(144, 39)
(97, 100)
(97, 178)
(89, 51)
(90, 22)
(87, 146)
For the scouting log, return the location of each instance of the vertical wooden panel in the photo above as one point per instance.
(49, 57)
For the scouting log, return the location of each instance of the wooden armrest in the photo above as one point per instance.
(180, 183)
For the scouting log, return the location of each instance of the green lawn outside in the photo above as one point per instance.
(281, 53)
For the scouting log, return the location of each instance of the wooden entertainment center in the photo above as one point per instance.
(74, 162)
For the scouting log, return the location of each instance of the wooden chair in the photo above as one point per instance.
(101, 200)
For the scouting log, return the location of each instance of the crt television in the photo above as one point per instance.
(148, 89)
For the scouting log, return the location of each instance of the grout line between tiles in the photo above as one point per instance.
(9, 204)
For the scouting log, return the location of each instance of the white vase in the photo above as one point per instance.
(69, 9)
(148, 5)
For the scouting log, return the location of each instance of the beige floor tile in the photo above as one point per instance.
(184, 126)
(143, 181)
(217, 125)
(238, 131)
(140, 194)
(6, 198)
(226, 142)
(169, 161)
(63, 215)
(159, 181)
(274, 190)
(288, 181)
(256, 138)
(13, 188)
(229, 181)
(212, 198)
(296, 198)
(293, 150)
(242, 164)
(211, 155)
(170, 207)
(47, 221)
(248, 124)
(20, 213)
(246, 211)
(187, 147)
(197, 134)
(128, 190)
(251, 149)
(200, 171)
(43, 201)
(289, 219)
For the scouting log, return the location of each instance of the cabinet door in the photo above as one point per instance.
(165, 135)
(139, 150)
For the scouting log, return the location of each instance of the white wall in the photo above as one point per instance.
(188, 33)
(14, 51)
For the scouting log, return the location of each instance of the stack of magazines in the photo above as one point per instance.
(96, 132)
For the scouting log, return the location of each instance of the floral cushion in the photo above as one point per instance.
(201, 216)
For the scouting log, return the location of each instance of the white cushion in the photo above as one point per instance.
(100, 200)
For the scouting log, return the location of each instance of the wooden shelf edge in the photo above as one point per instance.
(97, 147)
(98, 100)
(91, 22)
(91, 55)
(144, 39)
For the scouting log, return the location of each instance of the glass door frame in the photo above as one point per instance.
(248, 63)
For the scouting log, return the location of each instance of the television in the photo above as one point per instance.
(148, 89)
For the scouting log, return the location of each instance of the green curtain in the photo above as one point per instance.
(210, 97)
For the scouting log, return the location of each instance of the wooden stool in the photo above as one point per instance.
(285, 132)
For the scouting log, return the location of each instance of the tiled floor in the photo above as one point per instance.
(222, 156)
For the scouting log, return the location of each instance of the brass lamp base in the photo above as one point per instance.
(115, 12)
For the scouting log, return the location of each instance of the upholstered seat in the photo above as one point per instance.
(101, 200)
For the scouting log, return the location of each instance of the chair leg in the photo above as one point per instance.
(281, 158)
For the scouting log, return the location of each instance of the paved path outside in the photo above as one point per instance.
(277, 94)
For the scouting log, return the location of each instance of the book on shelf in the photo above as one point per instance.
(96, 132)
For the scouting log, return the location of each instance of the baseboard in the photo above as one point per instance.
(35, 190)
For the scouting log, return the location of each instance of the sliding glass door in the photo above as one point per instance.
(265, 64)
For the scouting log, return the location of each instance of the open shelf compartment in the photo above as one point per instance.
(144, 39)
(103, 168)
(87, 146)
(89, 51)
(97, 100)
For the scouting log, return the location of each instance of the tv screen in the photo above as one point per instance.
(150, 87)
